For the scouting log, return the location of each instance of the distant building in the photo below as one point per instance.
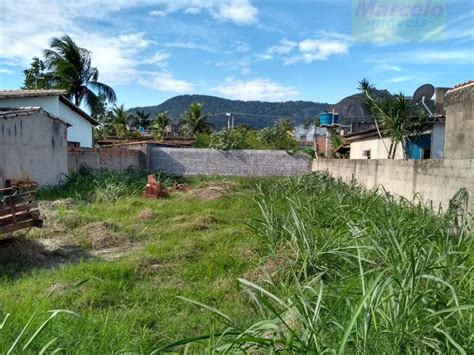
(311, 136)
(449, 134)
(79, 132)
(428, 145)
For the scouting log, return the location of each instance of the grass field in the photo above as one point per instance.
(301, 265)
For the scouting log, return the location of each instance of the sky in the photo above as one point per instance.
(152, 50)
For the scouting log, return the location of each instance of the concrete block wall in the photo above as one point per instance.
(193, 161)
(106, 158)
(436, 181)
(459, 136)
(33, 147)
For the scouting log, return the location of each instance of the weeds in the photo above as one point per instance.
(367, 274)
(103, 185)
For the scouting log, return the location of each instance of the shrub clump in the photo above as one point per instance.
(104, 185)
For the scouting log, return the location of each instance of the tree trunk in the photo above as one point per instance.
(390, 150)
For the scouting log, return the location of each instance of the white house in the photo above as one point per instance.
(79, 133)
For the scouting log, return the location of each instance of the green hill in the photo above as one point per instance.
(259, 114)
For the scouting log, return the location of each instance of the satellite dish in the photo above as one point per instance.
(423, 94)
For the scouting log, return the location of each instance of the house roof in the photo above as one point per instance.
(374, 133)
(14, 112)
(78, 110)
(5, 94)
(461, 86)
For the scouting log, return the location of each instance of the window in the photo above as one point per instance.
(426, 154)
(73, 144)
(366, 153)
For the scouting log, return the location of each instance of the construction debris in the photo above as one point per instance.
(154, 189)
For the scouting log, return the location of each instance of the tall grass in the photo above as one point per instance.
(366, 273)
(103, 185)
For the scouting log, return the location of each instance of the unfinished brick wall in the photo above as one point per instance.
(105, 158)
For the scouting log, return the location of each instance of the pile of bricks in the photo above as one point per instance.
(154, 189)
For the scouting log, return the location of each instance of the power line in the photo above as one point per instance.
(278, 116)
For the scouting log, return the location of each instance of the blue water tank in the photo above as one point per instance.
(328, 119)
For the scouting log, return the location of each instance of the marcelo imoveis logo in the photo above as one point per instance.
(388, 21)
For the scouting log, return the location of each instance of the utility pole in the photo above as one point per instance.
(230, 120)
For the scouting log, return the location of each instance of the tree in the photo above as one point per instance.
(159, 124)
(101, 112)
(277, 138)
(286, 125)
(395, 116)
(119, 121)
(195, 121)
(35, 76)
(70, 68)
(141, 118)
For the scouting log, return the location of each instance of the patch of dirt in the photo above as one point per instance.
(114, 253)
(101, 236)
(145, 215)
(65, 202)
(271, 269)
(213, 190)
(202, 223)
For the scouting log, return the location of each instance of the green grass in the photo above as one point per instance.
(301, 265)
(187, 246)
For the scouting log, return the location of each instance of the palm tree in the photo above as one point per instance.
(158, 127)
(195, 121)
(141, 118)
(395, 116)
(70, 68)
(119, 121)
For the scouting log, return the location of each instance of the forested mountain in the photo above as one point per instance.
(259, 114)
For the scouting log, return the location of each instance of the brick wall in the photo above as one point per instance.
(435, 181)
(105, 158)
(191, 161)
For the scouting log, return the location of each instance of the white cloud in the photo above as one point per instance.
(157, 58)
(164, 81)
(159, 13)
(465, 56)
(325, 45)
(188, 45)
(243, 65)
(401, 79)
(240, 47)
(426, 57)
(321, 48)
(258, 89)
(285, 47)
(192, 10)
(118, 58)
(241, 12)
(6, 71)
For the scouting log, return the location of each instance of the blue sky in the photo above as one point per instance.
(151, 50)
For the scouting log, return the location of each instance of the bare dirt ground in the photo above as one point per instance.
(209, 191)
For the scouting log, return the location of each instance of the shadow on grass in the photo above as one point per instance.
(20, 255)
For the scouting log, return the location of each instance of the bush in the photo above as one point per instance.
(104, 185)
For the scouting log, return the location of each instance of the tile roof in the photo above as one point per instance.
(461, 86)
(4, 94)
(13, 112)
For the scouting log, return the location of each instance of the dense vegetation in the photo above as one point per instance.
(322, 267)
